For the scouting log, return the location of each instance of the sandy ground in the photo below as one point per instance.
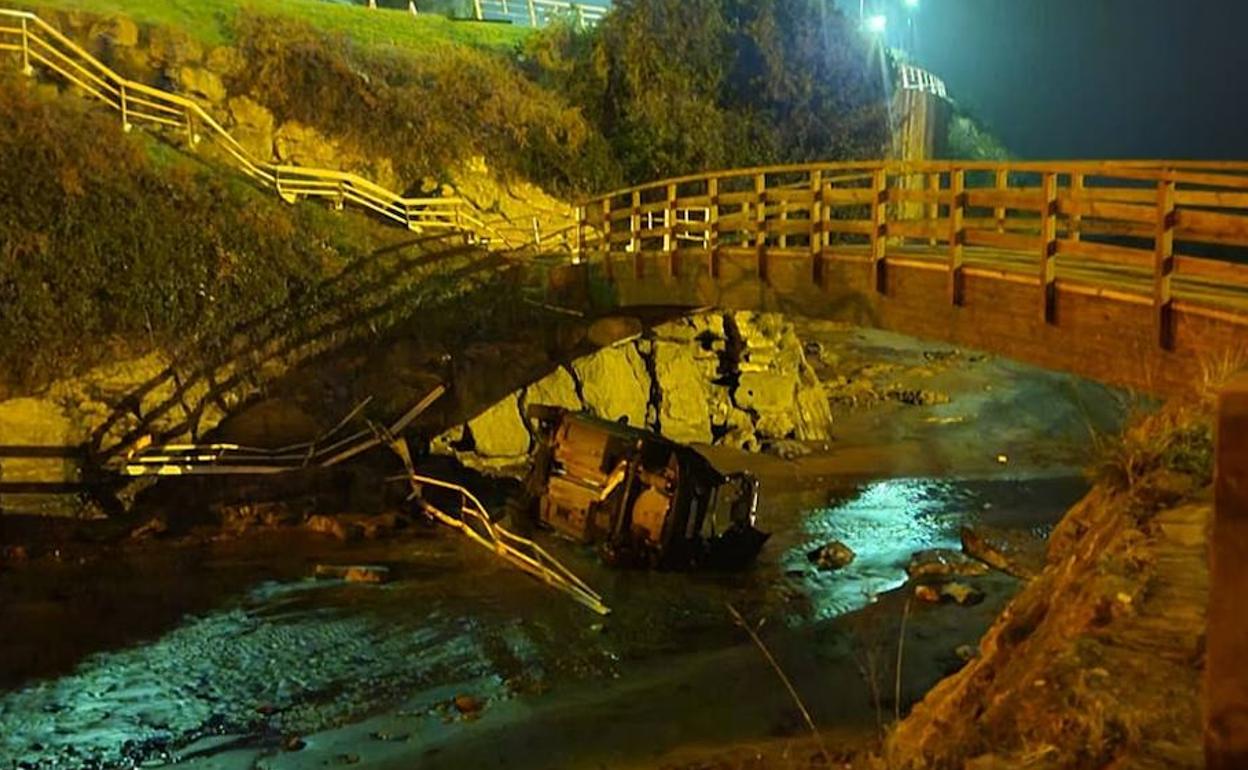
(216, 654)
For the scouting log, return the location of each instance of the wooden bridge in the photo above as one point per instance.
(1131, 273)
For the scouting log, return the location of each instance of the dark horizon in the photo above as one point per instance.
(1091, 78)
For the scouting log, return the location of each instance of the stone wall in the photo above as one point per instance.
(738, 379)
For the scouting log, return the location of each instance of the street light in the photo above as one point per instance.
(877, 24)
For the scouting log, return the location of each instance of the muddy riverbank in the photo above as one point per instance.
(225, 653)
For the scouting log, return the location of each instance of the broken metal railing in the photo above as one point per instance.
(472, 519)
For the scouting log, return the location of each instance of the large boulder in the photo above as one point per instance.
(253, 127)
(612, 329)
(500, 431)
(943, 564)
(171, 47)
(555, 389)
(302, 145)
(615, 384)
(766, 392)
(684, 393)
(814, 411)
(116, 30)
(202, 83)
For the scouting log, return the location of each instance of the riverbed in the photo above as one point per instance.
(226, 653)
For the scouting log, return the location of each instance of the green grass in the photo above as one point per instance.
(210, 21)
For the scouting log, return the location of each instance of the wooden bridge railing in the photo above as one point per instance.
(35, 42)
(538, 13)
(1135, 230)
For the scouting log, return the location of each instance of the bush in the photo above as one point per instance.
(681, 86)
(426, 110)
(1176, 439)
(110, 243)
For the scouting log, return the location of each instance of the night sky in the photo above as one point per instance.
(1092, 78)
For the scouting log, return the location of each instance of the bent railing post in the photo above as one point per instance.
(1226, 635)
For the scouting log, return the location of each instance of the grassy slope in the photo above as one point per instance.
(209, 20)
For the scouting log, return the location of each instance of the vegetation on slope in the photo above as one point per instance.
(1097, 662)
(110, 242)
(427, 110)
(212, 22)
(678, 86)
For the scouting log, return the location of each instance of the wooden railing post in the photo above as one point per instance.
(879, 227)
(712, 225)
(669, 221)
(816, 227)
(933, 208)
(578, 246)
(606, 237)
(27, 70)
(532, 14)
(1163, 264)
(634, 232)
(1048, 248)
(1077, 186)
(957, 233)
(1226, 631)
(760, 223)
(1003, 183)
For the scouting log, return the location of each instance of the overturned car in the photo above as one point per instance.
(643, 499)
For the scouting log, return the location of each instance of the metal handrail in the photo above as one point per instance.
(39, 43)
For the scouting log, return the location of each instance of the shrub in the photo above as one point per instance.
(680, 86)
(426, 110)
(108, 241)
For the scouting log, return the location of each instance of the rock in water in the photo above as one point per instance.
(943, 563)
(1013, 552)
(467, 704)
(329, 525)
(961, 593)
(353, 573)
(834, 555)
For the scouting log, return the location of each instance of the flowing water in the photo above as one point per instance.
(291, 656)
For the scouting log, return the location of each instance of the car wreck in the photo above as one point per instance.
(644, 500)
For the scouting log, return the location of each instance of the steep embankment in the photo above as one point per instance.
(1097, 662)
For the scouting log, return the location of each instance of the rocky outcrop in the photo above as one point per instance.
(615, 384)
(500, 430)
(253, 126)
(832, 556)
(734, 379)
